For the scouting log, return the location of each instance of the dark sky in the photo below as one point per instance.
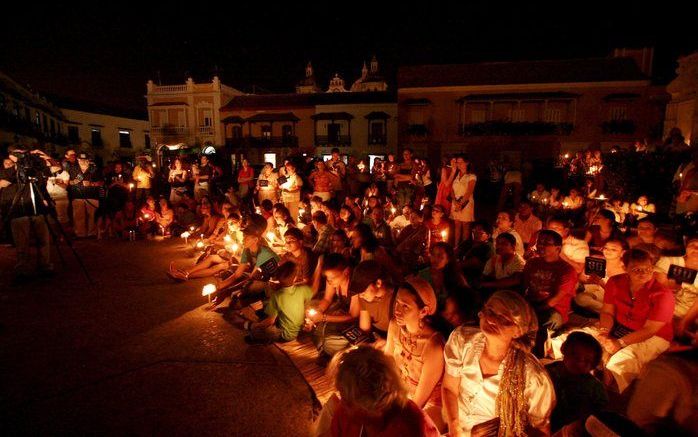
(107, 55)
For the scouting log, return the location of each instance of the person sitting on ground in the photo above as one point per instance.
(526, 224)
(298, 254)
(549, 283)
(324, 231)
(400, 221)
(439, 227)
(664, 399)
(285, 310)
(635, 324)
(347, 220)
(412, 243)
(504, 271)
(338, 309)
(147, 217)
(365, 246)
(207, 219)
(592, 296)
(380, 227)
(370, 400)
(578, 393)
(126, 219)
(646, 235)
(255, 256)
(475, 255)
(540, 195)
(416, 346)
(165, 217)
(642, 208)
(339, 243)
(458, 310)
(685, 294)
(443, 273)
(574, 250)
(574, 201)
(505, 223)
(493, 384)
(284, 222)
(603, 228)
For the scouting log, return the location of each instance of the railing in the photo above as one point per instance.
(170, 131)
(338, 141)
(377, 139)
(284, 141)
(205, 130)
(169, 88)
(417, 130)
(510, 128)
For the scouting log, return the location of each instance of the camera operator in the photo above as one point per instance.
(84, 187)
(22, 206)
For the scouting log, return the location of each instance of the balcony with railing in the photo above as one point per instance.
(170, 131)
(205, 130)
(512, 128)
(282, 141)
(333, 141)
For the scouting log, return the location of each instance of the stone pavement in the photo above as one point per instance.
(136, 354)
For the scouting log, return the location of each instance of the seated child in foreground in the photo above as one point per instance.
(285, 310)
(579, 394)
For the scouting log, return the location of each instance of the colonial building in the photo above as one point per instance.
(26, 117)
(530, 108)
(682, 111)
(107, 133)
(188, 113)
(361, 121)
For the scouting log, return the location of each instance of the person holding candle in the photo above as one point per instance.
(591, 298)
(337, 310)
(380, 227)
(438, 226)
(412, 244)
(148, 217)
(291, 190)
(165, 216)
(324, 231)
(443, 273)
(642, 208)
(267, 184)
(505, 223)
(142, 175)
(493, 385)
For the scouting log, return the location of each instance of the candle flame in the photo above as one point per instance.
(199, 244)
(312, 312)
(208, 289)
(185, 235)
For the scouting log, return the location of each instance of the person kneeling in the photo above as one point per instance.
(285, 311)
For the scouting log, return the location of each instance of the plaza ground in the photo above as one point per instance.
(135, 354)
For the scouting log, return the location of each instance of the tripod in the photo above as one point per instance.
(38, 197)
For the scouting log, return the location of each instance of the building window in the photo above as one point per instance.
(37, 119)
(478, 116)
(208, 118)
(266, 132)
(125, 138)
(237, 132)
(333, 130)
(271, 158)
(96, 137)
(286, 131)
(45, 123)
(147, 141)
(553, 115)
(618, 112)
(73, 135)
(376, 134)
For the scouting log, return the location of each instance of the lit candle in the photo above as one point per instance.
(444, 235)
(186, 235)
(639, 208)
(312, 312)
(191, 228)
(257, 210)
(235, 247)
(602, 197)
(130, 186)
(208, 290)
(199, 244)
(146, 216)
(392, 210)
(228, 239)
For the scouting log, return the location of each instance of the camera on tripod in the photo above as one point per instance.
(31, 166)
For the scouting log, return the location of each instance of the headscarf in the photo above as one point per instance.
(512, 404)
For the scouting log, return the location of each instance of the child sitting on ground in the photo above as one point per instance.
(579, 394)
(285, 310)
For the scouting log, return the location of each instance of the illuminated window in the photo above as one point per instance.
(271, 158)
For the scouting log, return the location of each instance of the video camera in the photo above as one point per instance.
(31, 166)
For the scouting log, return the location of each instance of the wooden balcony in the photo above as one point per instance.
(335, 141)
(263, 142)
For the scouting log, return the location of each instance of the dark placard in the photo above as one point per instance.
(269, 268)
(355, 335)
(263, 183)
(595, 266)
(282, 180)
(682, 274)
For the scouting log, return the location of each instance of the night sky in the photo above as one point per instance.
(107, 55)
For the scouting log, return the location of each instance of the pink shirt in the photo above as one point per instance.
(544, 280)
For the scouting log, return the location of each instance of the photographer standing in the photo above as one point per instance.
(85, 184)
(24, 201)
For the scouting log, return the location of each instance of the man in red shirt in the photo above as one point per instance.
(636, 319)
(321, 180)
(549, 284)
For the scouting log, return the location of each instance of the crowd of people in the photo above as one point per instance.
(431, 319)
